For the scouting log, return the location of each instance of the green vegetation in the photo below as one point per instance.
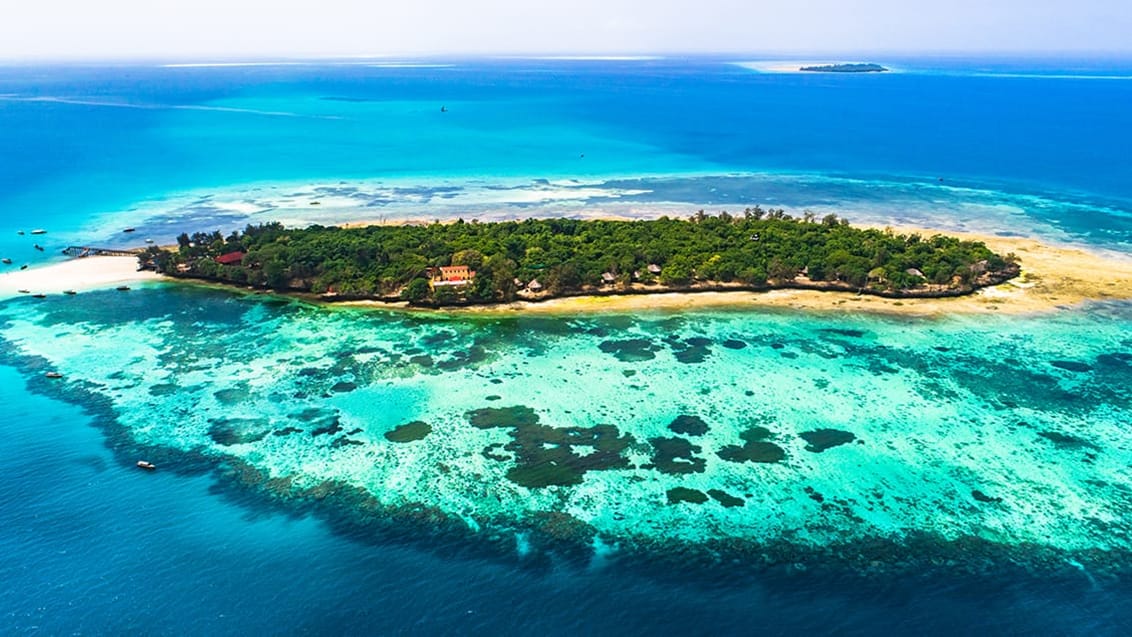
(845, 68)
(756, 250)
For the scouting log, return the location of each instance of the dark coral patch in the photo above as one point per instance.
(286, 431)
(345, 442)
(342, 387)
(324, 422)
(676, 456)
(233, 395)
(632, 350)
(515, 416)
(544, 456)
(409, 432)
(688, 425)
(1118, 359)
(836, 331)
(493, 397)
(821, 439)
(691, 350)
(1065, 440)
(237, 431)
(1072, 366)
(982, 497)
(754, 448)
(732, 343)
(725, 498)
(424, 360)
(163, 389)
(676, 495)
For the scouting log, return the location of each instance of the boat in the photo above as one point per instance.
(24, 291)
(39, 295)
(24, 266)
(147, 465)
(149, 240)
(129, 230)
(39, 231)
(6, 261)
(70, 292)
(123, 288)
(39, 247)
(20, 232)
(53, 375)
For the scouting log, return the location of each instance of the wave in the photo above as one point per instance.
(158, 107)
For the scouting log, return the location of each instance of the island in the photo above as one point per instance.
(472, 263)
(845, 68)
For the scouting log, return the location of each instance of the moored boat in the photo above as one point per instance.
(39, 247)
(129, 230)
(53, 375)
(147, 465)
(6, 261)
(123, 288)
(39, 231)
(39, 295)
(69, 292)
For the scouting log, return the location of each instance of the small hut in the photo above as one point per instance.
(534, 286)
(915, 272)
(608, 277)
(654, 268)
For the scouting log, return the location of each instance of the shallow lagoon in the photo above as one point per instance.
(769, 437)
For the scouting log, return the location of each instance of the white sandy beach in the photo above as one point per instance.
(89, 273)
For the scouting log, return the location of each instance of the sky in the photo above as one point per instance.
(231, 29)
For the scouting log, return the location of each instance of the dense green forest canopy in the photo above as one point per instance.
(756, 249)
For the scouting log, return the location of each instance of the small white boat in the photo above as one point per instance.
(53, 375)
(145, 464)
(39, 231)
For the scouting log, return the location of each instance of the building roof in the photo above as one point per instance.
(230, 258)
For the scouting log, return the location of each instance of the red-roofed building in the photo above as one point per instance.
(452, 275)
(232, 258)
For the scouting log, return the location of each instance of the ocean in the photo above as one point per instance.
(282, 506)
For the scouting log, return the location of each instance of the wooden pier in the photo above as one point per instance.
(87, 251)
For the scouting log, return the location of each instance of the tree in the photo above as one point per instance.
(417, 290)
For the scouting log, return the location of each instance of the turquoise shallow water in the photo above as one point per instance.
(670, 472)
(807, 430)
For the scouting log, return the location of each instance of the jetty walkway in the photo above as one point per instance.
(87, 251)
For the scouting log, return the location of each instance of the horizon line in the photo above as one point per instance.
(268, 59)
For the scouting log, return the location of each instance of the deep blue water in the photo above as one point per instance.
(92, 546)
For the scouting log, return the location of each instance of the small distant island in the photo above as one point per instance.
(845, 68)
(472, 263)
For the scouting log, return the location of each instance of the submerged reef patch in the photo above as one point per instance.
(676, 495)
(755, 448)
(688, 425)
(552, 456)
(821, 439)
(676, 456)
(238, 431)
(409, 432)
(633, 350)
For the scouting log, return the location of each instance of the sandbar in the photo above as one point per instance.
(82, 274)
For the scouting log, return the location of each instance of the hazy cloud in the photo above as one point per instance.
(264, 28)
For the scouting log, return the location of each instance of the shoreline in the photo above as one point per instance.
(1052, 278)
